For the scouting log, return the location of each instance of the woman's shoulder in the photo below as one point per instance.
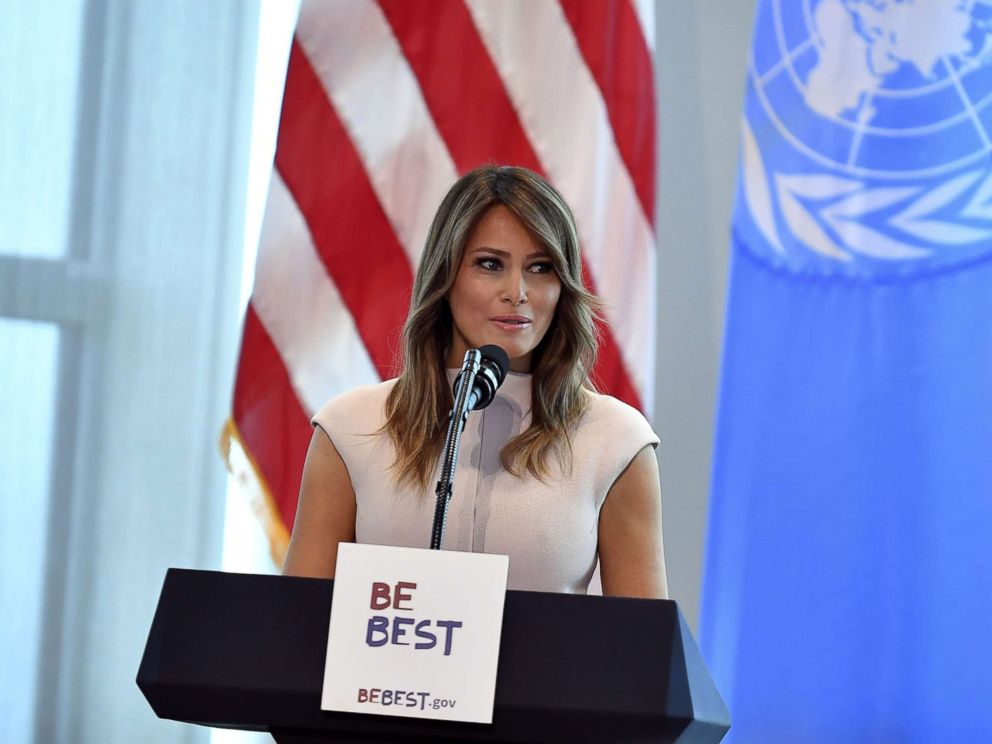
(606, 416)
(355, 411)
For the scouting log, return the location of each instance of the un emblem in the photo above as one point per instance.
(867, 137)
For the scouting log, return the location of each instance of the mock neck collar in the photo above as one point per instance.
(516, 386)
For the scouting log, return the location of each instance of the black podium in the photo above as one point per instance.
(247, 652)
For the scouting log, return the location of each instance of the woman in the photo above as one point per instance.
(551, 473)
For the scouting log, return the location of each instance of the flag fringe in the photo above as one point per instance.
(252, 483)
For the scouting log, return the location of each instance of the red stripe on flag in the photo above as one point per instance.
(460, 84)
(610, 373)
(478, 122)
(612, 44)
(273, 424)
(352, 234)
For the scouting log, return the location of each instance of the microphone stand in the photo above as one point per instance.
(452, 444)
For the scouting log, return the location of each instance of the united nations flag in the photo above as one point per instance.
(848, 583)
(865, 141)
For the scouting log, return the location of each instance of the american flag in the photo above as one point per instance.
(386, 104)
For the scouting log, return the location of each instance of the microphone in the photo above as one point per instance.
(483, 371)
(490, 371)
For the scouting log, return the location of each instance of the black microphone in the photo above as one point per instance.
(489, 375)
(484, 370)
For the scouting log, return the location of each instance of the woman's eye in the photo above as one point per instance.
(489, 264)
(542, 267)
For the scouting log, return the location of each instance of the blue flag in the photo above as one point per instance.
(848, 583)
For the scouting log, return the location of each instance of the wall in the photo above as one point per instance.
(700, 64)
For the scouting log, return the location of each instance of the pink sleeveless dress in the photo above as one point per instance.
(548, 529)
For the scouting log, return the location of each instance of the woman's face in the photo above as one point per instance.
(505, 292)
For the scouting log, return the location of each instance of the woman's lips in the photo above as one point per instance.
(512, 322)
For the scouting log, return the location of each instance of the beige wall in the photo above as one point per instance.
(701, 58)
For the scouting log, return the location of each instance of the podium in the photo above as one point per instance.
(247, 652)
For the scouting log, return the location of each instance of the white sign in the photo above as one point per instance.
(414, 633)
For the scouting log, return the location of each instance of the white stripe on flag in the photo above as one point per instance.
(301, 309)
(376, 95)
(565, 118)
(645, 10)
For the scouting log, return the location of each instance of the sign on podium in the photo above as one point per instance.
(414, 633)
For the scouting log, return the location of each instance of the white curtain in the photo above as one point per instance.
(124, 143)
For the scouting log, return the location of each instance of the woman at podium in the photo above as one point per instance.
(551, 473)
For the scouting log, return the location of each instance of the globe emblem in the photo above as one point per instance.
(867, 136)
(878, 89)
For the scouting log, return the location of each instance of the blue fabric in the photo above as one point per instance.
(848, 583)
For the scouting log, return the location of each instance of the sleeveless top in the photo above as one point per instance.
(548, 529)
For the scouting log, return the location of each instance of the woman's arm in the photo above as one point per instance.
(631, 557)
(326, 512)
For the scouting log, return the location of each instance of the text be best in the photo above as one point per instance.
(382, 629)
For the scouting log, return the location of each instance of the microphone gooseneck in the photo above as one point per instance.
(483, 371)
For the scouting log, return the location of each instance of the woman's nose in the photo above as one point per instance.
(515, 289)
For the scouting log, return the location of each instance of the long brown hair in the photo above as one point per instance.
(418, 405)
